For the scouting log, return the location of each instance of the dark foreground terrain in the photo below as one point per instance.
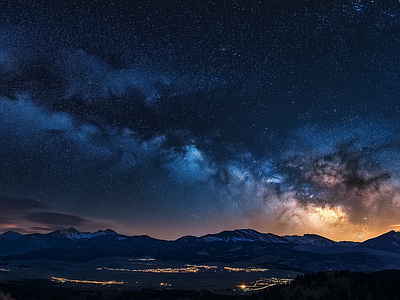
(312, 286)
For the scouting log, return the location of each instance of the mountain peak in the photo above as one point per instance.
(243, 235)
(389, 241)
(70, 233)
(392, 232)
(109, 231)
(11, 235)
(72, 229)
(73, 234)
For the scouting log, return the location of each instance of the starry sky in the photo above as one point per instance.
(171, 118)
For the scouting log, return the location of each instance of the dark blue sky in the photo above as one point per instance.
(188, 117)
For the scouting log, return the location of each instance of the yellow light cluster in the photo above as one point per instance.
(248, 270)
(164, 284)
(202, 267)
(187, 269)
(158, 270)
(262, 284)
(62, 280)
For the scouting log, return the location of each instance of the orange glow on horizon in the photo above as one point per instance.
(331, 222)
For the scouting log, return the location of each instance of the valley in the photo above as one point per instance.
(230, 262)
(138, 273)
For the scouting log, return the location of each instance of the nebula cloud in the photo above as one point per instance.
(285, 123)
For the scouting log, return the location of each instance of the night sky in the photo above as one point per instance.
(171, 118)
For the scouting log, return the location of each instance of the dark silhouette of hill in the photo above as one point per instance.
(337, 285)
(331, 285)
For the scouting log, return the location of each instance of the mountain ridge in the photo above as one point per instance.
(226, 235)
(309, 252)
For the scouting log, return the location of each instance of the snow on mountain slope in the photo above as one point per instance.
(250, 235)
(243, 235)
(310, 239)
(230, 241)
(73, 234)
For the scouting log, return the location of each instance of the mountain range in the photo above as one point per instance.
(309, 252)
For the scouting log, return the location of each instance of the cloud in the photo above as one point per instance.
(336, 180)
(91, 78)
(12, 208)
(53, 219)
(339, 177)
(190, 166)
(15, 212)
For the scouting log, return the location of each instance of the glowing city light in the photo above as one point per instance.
(247, 270)
(262, 284)
(63, 280)
(186, 269)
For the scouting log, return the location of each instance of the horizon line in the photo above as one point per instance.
(238, 229)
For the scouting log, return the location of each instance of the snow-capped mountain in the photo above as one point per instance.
(309, 252)
(73, 234)
(310, 239)
(15, 243)
(251, 235)
(243, 235)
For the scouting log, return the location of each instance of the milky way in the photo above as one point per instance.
(194, 117)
